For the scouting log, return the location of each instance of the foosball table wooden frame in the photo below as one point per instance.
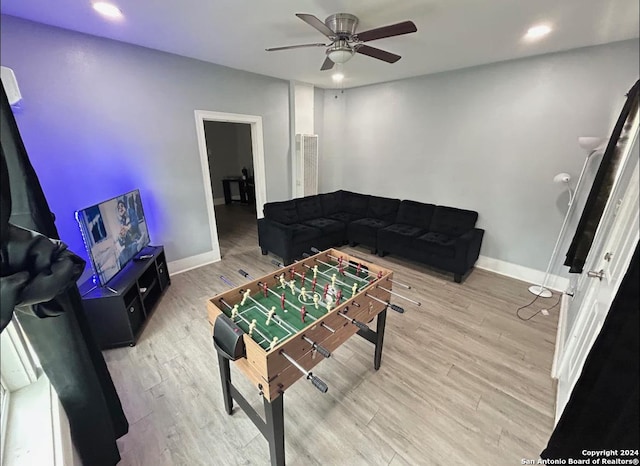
(275, 369)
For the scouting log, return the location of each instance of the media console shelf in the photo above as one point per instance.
(118, 313)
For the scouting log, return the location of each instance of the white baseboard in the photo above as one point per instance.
(193, 262)
(520, 272)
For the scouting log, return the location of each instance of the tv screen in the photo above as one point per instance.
(114, 231)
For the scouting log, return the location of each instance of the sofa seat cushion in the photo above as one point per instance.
(326, 225)
(401, 229)
(344, 217)
(354, 203)
(282, 212)
(368, 223)
(437, 244)
(303, 233)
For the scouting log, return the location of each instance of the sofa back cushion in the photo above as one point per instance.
(383, 208)
(452, 221)
(309, 208)
(415, 213)
(331, 202)
(354, 203)
(282, 212)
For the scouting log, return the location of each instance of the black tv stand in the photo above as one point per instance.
(118, 312)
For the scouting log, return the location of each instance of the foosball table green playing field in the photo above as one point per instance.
(279, 326)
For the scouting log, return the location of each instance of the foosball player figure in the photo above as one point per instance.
(315, 271)
(270, 315)
(338, 297)
(303, 313)
(379, 275)
(283, 284)
(234, 312)
(292, 285)
(316, 298)
(303, 294)
(273, 343)
(252, 326)
(265, 290)
(245, 296)
(313, 285)
(292, 273)
(326, 291)
(341, 269)
(329, 301)
(333, 281)
(358, 269)
(354, 289)
(282, 299)
(303, 277)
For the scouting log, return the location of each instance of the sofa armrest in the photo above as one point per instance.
(274, 236)
(468, 246)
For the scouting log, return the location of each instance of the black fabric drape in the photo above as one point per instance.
(64, 344)
(601, 188)
(602, 412)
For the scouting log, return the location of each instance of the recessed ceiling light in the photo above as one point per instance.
(337, 77)
(537, 32)
(107, 9)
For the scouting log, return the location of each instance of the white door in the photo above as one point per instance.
(605, 267)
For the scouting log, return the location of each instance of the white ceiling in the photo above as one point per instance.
(451, 34)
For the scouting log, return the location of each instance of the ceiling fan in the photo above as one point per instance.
(340, 28)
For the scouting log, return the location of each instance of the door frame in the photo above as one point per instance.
(259, 174)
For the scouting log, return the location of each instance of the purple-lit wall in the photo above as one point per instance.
(100, 118)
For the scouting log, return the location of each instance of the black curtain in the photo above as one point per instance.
(602, 185)
(62, 340)
(602, 412)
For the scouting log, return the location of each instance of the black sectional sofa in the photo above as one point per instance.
(443, 237)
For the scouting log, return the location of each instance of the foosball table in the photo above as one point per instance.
(276, 328)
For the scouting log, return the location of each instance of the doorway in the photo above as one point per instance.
(232, 160)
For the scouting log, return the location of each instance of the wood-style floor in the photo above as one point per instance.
(463, 381)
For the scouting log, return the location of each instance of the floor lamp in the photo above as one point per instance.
(592, 145)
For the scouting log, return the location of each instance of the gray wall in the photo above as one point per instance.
(100, 117)
(229, 151)
(489, 138)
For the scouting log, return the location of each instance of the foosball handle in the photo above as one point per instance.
(276, 263)
(315, 250)
(243, 273)
(396, 308)
(319, 384)
(323, 351)
(360, 325)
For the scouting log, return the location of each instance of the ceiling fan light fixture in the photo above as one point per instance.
(337, 77)
(340, 53)
(107, 9)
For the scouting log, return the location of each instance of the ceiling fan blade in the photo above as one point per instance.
(316, 23)
(397, 29)
(327, 64)
(273, 49)
(377, 53)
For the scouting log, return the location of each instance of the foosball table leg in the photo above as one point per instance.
(225, 378)
(382, 319)
(377, 338)
(274, 429)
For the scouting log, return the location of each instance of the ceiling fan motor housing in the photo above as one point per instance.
(343, 24)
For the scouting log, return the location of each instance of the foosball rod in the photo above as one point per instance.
(357, 323)
(246, 275)
(332, 266)
(319, 348)
(392, 306)
(319, 384)
(241, 317)
(328, 280)
(400, 296)
(408, 287)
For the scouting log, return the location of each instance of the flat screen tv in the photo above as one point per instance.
(114, 231)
